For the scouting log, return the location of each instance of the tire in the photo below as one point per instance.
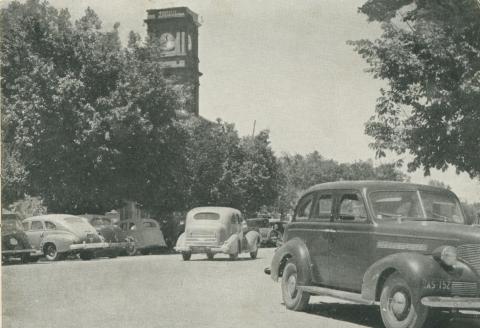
(186, 256)
(293, 298)
(131, 248)
(51, 253)
(210, 256)
(87, 255)
(399, 306)
(234, 256)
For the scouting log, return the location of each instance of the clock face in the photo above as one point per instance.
(167, 42)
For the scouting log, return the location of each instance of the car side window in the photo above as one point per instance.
(352, 208)
(50, 226)
(323, 208)
(36, 225)
(304, 208)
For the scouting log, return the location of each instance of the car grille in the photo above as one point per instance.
(471, 255)
(465, 289)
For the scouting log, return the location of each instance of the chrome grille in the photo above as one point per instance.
(471, 255)
(465, 289)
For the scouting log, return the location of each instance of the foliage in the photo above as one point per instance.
(28, 206)
(226, 170)
(429, 53)
(85, 122)
(301, 172)
(472, 212)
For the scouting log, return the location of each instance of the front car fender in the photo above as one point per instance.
(417, 269)
(253, 239)
(293, 250)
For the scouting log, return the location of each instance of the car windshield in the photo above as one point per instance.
(206, 216)
(423, 205)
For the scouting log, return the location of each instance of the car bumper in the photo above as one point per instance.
(18, 251)
(464, 303)
(202, 249)
(88, 246)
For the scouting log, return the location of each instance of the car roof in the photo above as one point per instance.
(224, 211)
(373, 185)
(52, 217)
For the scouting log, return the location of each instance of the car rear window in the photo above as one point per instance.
(148, 224)
(206, 216)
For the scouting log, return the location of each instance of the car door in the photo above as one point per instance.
(351, 246)
(35, 233)
(311, 223)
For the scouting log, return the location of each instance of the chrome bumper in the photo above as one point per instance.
(88, 246)
(466, 303)
(18, 251)
(202, 249)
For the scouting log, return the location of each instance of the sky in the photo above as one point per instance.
(286, 66)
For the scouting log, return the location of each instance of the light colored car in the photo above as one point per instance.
(211, 230)
(146, 235)
(59, 235)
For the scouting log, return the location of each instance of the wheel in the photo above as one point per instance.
(186, 256)
(87, 255)
(293, 298)
(210, 256)
(399, 306)
(131, 248)
(274, 237)
(51, 253)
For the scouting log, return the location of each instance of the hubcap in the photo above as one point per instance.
(51, 251)
(400, 305)
(292, 285)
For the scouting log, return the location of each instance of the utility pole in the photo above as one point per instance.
(254, 123)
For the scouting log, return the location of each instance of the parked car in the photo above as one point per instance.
(212, 230)
(401, 245)
(145, 233)
(270, 230)
(119, 242)
(15, 242)
(60, 235)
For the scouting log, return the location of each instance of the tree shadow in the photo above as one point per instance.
(369, 316)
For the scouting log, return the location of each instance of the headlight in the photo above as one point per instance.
(449, 256)
(13, 242)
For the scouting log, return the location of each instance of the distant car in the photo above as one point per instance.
(15, 242)
(59, 235)
(145, 233)
(119, 242)
(403, 246)
(212, 230)
(270, 230)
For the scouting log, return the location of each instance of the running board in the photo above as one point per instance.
(352, 297)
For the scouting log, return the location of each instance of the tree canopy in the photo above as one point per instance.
(429, 54)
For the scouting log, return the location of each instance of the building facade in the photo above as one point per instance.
(175, 32)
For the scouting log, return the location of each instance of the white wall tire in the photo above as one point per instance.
(293, 298)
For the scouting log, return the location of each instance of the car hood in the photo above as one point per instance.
(431, 230)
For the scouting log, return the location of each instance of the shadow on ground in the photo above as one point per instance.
(369, 316)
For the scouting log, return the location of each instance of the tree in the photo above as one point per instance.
(298, 173)
(86, 123)
(429, 54)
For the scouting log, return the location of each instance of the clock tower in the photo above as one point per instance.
(175, 31)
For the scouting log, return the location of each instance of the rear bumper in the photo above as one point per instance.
(194, 249)
(74, 247)
(463, 303)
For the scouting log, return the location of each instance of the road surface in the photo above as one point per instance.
(164, 291)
